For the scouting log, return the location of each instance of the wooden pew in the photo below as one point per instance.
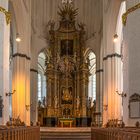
(19, 133)
(115, 133)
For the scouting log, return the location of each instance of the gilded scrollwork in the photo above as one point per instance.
(130, 10)
(7, 14)
(67, 12)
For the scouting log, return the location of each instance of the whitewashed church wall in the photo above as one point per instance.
(4, 62)
(131, 60)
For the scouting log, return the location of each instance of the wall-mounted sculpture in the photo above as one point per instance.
(134, 106)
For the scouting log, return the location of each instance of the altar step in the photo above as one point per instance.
(65, 133)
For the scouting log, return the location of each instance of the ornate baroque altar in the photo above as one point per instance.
(67, 70)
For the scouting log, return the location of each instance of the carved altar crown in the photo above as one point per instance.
(67, 15)
(67, 12)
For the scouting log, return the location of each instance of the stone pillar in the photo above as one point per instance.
(99, 94)
(21, 62)
(84, 90)
(49, 96)
(58, 93)
(112, 101)
(77, 84)
(55, 85)
(131, 57)
(4, 62)
(34, 95)
(105, 96)
(111, 61)
(51, 82)
(77, 94)
(55, 97)
(21, 83)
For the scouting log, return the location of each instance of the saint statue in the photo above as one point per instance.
(77, 102)
(44, 101)
(55, 101)
(90, 102)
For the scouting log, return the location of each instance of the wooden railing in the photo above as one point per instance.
(20, 133)
(115, 133)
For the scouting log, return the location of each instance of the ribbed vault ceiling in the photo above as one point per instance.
(89, 12)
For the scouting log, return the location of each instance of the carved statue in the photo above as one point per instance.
(39, 104)
(44, 101)
(90, 102)
(77, 102)
(66, 66)
(51, 23)
(94, 105)
(55, 101)
(82, 34)
(66, 95)
(49, 32)
(15, 122)
(81, 26)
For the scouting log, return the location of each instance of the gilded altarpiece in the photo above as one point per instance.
(67, 70)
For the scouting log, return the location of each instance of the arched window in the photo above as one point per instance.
(41, 77)
(39, 86)
(92, 77)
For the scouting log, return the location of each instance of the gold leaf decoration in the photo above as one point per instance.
(7, 14)
(124, 16)
(67, 12)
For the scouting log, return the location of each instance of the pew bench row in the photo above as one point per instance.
(19, 133)
(115, 133)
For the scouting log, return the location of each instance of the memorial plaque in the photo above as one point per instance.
(134, 106)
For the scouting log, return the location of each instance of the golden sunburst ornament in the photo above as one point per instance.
(67, 12)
